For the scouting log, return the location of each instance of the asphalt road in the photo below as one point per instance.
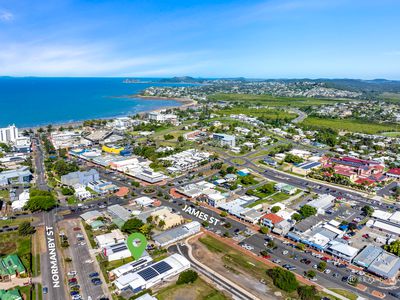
(50, 266)
(49, 262)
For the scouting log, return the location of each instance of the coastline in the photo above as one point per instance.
(184, 104)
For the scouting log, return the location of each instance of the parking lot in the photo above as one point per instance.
(82, 263)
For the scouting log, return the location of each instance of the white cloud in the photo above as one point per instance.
(6, 16)
(25, 59)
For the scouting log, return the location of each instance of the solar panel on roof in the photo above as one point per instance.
(115, 250)
(162, 267)
(147, 273)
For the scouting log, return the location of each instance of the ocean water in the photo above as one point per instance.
(33, 101)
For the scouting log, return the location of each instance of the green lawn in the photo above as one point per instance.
(238, 161)
(391, 134)
(345, 293)
(268, 113)
(273, 100)
(15, 222)
(274, 198)
(26, 290)
(12, 242)
(4, 194)
(198, 290)
(259, 153)
(348, 125)
(278, 197)
(107, 266)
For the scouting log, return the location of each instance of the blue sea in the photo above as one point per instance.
(35, 101)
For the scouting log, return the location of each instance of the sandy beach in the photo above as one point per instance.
(185, 103)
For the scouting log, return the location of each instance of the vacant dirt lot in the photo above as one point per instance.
(216, 262)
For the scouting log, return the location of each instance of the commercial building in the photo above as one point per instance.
(342, 250)
(378, 261)
(80, 177)
(270, 220)
(323, 203)
(118, 214)
(102, 187)
(11, 267)
(144, 201)
(194, 190)
(285, 188)
(357, 170)
(306, 167)
(21, 175)
(68, 139)
(91, 216)
(173, 235)
(225, 139)
(131, 267)
(10, 295)
(112, 149)
(153, 274)
(283, 227)
(81, 192)
(394, 173)
(8, 135)
(114, 237)
(21, 202)
(160, 117)
(116, 251)
(186, 160)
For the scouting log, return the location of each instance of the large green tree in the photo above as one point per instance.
(188, 276)
(283, 279)
(40, 200)
(307, 211)
(393, 247)
(132, 225)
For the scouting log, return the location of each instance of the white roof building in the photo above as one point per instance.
(322, 203)
(114, 237)
(21, 202)
(144, 201)
(153, 274)
(382, 215)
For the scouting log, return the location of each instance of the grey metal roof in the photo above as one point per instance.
(386, 265)
(367, 255)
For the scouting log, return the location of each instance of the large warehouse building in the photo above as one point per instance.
(153, 274)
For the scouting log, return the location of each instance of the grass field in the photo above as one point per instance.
(26, 290)
(198, 290)
(272, 100)
(4, 194)
(390, 97)
(348, 125)
(259, 153)
(274, 198)
(12, 242)
(345, 293)
(15, 222)
(236, 259)
(268, 113)
(391, 134)
(238, 161)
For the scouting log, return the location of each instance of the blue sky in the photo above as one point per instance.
(257, 39)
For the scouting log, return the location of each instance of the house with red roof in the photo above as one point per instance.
(394, 173)
(360, 171)
(270, 220)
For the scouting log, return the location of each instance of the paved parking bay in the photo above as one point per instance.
(81, 262)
